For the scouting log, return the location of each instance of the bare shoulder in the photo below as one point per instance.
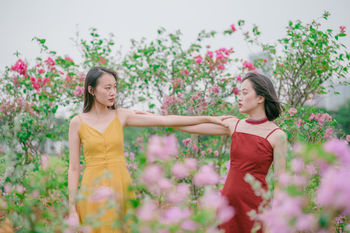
(279, 137)
(74, 124)
(123, 114)
(75, 121)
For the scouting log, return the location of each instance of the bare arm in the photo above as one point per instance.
(207, 129)
(279, 154)
(132, 119)
(74, 162)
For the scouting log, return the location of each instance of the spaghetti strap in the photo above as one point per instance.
(271, 132)
(236, 125)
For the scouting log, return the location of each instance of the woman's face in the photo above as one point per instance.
(106, 90)
(248, 100)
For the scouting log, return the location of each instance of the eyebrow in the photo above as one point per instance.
(110, 84)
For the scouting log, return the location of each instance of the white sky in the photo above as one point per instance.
(58, 21)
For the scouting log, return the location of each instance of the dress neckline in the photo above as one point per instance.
(256, 122)
(101, 133)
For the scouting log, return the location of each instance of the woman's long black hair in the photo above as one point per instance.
(91, 80)
(264, 87)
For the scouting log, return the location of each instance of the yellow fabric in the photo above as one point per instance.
(105, 166)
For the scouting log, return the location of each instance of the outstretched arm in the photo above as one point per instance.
(209, 128)
(133, 119)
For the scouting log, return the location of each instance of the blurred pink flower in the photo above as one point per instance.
(210, 54)
(191, 163)
(297, 165)
(165, 184)
(189, 225)
(205, 176)
(20, 67)
(292, 111)
(312, 117)
(195, 148)
(187, 141)
(347, 138)
(340, 148)
(184, 72)
(102, 60)
(328, 133)
(342, 29)
(311, 169)
(198, 59)
(101, 194)
(221, 67)
(68, 58)
(239, 78)
(180, 194)
(249, 65)
(235, 91)
(78, 91)
(216, 89)
(179, 170)
(161, 147)
(151, 174)
(333, 193)
(225, 213)
(174, 215)
(233, 27)
(50, 62)
(72, 221)
(44, 162)
(147, 211)
(216, 153)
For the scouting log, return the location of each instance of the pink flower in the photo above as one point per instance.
(205, 176)
(179, 170)
(340, 149)
(20, 67)
(191, 163)
(198, 59)
(189, 225)
(225, 213)
(102, 60)
(333, 192)
(209, 150)
(235, 91)
(249, 65)
(161, 147)
(311, 170)
(233, 28)
(265, 60)
(101, 193)
(175, 215)
(202, 153)
(347, 138)
(187, 141)
(210, 54)
(342, 29)
(165, 184)
(297, 165)
(292, 111)
(300, 123)
(78, 91)
(152, 174)
(312, 117)
(68, 58)
(147, 211)
(50, 62)
(216, 153)
(184, 72)
(221, 67)
(328, 133)
(216, 89)
(195, 148)
(180, 194)
(239, 78)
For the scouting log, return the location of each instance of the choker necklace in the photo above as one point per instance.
(256, 122)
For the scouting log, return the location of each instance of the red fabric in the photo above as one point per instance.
(249, 154)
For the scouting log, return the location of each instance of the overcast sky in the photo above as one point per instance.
(58, 21)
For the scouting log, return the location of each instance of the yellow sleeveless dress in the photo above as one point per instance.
(105, 170)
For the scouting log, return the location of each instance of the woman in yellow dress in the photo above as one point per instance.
(99, 129)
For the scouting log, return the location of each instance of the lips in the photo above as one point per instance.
(111, 100)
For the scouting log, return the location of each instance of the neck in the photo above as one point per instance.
(99, 109)
(258, 114)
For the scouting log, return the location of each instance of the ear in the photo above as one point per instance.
(261, 99)
(91, 90)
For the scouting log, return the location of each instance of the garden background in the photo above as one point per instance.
(175, 58)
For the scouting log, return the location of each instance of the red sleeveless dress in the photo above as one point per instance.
(249, 154)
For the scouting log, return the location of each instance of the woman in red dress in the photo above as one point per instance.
(256, 142)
